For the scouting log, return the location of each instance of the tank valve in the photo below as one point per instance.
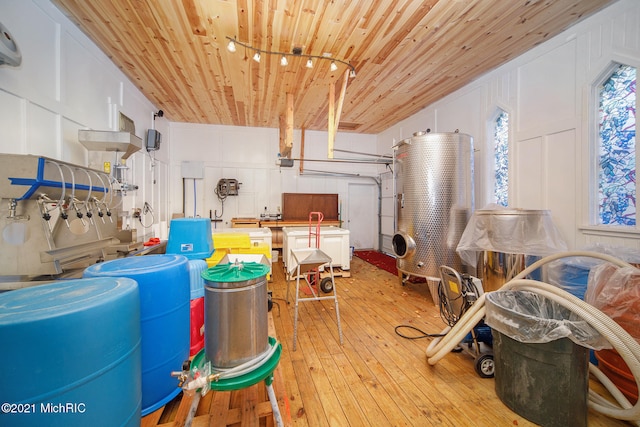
(184, 374)
(182, 377)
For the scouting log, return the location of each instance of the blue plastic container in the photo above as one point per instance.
(572, 274)
(190, 237)
(163, 281)
(71, 354)
(196, 282)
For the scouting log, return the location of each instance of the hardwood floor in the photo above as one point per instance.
(378, 378)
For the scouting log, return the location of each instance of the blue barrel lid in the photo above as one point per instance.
(137, 264)
(61, 297)
(235, 272)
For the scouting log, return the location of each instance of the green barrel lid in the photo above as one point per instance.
(235, 272)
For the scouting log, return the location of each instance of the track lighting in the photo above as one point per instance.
(296, 52)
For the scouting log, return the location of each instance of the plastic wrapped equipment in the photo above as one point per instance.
(616, 292)
(511, 231)
(529, 317)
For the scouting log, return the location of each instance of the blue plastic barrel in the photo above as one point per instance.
(196, 282)
(572, 274)
(190, 237)
(163, 281)
(71, 354)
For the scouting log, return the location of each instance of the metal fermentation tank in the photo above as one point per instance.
(434, 200)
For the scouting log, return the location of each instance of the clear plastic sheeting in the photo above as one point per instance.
(572, 273)
(630, 255)
(511, 231)
(529, 317)
(616, 292)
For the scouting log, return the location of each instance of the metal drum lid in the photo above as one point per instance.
(234, 274)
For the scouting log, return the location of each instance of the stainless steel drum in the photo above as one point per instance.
(434, 199)
(508, 240)
(497, 268)
(235, 313)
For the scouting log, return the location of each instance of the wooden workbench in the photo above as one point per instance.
(276, 226)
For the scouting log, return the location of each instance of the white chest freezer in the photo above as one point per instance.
(334, 241)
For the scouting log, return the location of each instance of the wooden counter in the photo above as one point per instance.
(276, 226)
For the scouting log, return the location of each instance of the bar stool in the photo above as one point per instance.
(306, 263)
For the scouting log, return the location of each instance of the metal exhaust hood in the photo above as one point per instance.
(99, 140)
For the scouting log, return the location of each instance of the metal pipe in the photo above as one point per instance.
(345, 161)
(384, 156)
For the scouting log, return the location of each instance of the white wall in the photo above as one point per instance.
(249, 155)
(65, 83)
(549, 97)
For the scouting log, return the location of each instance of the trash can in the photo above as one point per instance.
(541, 372)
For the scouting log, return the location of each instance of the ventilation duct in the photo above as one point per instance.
(98, 140)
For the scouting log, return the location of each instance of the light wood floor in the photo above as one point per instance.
(378, 378)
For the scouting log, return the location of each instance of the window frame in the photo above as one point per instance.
(491, 155)
(593, 171)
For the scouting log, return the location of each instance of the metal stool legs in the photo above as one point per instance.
(307, 261)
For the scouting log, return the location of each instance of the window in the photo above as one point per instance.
(501, 158)
(617, 147)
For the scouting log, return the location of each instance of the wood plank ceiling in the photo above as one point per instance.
(406, 53)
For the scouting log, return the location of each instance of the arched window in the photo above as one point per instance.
(501, 158)
(617, 148)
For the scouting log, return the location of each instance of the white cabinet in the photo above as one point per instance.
(334, 242)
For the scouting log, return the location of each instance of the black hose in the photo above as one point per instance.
(416, 337)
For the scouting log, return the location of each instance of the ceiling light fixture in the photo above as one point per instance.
(297, 51)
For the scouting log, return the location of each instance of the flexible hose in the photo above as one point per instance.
(626, 345)
(63, 184)
(622, 342)
(90, 184)
(249, 366)
(235, 371)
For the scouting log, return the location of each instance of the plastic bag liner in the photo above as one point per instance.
(511, 231)
(529, 317)
(616, 292)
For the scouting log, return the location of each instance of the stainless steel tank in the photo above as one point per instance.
(235, 313)
(434, 200)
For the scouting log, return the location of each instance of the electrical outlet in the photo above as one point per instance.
(136, 213)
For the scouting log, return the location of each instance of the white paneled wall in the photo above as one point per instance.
(65, 83)
(548, 93)
(249, 155)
